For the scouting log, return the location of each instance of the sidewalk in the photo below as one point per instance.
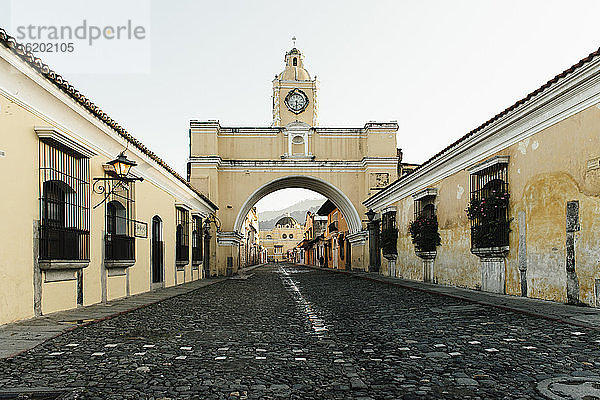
(586, 317)
(21, 336)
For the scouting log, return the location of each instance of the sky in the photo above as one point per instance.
(438, 68)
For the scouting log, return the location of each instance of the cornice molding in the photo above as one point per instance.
(229, 238)
(570, 95)
(51, 134)
(424, 193)
(488, 163)
(358, 238)
(367, 162)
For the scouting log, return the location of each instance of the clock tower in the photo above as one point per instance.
(294, 93)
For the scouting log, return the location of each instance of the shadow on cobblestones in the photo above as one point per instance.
(289, 332)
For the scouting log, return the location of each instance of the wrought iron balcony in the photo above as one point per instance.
(196, 255)
(182, 253)
(60, 243)
(119, 247)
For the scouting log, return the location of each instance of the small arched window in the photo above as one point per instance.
(55, 203)
(116, 218)
(295, 62)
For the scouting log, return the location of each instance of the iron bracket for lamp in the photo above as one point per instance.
(101, 188)
(212, 219)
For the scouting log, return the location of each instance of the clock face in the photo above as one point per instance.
(296, 100)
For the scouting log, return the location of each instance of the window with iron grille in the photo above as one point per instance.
(119, 240)
(64, 189)
(488, 206)
(388, 220)
(196, 240)
(182, 236)
(389, 232)
(424, 228)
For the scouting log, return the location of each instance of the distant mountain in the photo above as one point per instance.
(268, 219)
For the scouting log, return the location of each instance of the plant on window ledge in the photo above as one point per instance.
(490, 224)
(389, 237)
(424, 233)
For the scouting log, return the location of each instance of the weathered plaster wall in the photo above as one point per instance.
(545, 171)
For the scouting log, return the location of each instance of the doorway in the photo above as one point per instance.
(157, 278)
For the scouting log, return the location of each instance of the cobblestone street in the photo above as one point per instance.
(293, 332)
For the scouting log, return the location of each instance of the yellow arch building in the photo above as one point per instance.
(237, 166)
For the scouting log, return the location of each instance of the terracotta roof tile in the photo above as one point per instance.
(37, 64)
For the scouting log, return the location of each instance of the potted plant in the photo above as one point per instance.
(424, 233)
(490, 224)
(388, 241)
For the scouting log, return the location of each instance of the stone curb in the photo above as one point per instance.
(421, 287)
(178, 291)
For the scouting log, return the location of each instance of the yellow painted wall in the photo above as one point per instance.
(271, 143)
(545, 171)
(20, 210)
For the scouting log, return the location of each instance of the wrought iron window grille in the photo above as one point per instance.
(196, 240)
(119, 240)
(64, 191)
(182, 235)
(488, 207)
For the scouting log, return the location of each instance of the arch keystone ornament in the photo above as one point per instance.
(238, 166)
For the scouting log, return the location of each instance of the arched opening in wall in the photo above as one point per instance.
(298, 217)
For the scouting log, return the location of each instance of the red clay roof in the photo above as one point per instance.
(37, 64)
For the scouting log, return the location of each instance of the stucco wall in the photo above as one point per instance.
(20, 208)
(544, 172)
(24, 104)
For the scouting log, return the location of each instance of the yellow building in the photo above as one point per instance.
(73, 231)
(250, 248)
(530, 180)
(282, 239)
(237, 166)
(313, 246)
(337, 250)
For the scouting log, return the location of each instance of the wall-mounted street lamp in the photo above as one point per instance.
(370, 214)
(121, 165)
(118, 174)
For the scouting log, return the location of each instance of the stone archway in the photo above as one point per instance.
(320, 186)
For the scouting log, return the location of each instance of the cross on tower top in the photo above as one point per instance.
(294, 40)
